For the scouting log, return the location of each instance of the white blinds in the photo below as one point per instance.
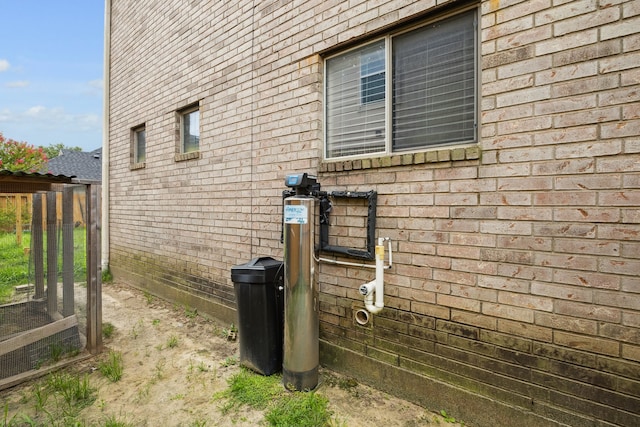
(355, 102)
(434, 84)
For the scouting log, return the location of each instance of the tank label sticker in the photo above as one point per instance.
(295, 214)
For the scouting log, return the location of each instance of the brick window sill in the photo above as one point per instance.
(181, 157)
(436, 156)
(135, 166)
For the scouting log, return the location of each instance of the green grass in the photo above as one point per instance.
(14, 262)
(112, 367)
(256, 391)
(58, 400)
(300, 410)
(282, 408)
(108, 329)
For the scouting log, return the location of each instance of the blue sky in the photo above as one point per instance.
(51, 56)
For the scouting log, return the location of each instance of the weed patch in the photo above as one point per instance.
(300, 410)
(282, 408)
(112, 367)
(108, 329)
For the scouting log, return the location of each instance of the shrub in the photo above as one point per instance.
(20, 156)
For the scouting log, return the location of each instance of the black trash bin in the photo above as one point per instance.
(260, 302)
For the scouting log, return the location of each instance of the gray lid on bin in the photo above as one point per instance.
(259, 270)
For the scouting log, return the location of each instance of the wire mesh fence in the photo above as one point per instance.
(43, 279)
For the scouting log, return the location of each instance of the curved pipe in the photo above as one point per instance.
(377, 286)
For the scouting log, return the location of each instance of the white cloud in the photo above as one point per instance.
(18, 83)
(45, 118)
(4, 65)
(36, 111)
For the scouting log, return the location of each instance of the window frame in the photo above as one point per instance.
(136, 162)
(181, 148)
(389, 89)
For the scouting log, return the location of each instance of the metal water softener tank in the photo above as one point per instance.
(301, 344)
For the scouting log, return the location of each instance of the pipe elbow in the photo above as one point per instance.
(367, 288)
(373, 308)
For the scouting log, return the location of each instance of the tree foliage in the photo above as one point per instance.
(21, 156)
(54, 150)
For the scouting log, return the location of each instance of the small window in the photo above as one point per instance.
(139, 145)
(190, 130)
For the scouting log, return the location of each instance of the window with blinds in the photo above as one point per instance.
(428, 96)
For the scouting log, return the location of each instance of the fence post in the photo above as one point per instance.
(18, 201)
(94, 274)
(68, 302)
(52, 255)
(37, 252)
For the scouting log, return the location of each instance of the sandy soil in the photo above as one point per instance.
(176, 361)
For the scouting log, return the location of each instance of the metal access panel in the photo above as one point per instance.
(367, 251)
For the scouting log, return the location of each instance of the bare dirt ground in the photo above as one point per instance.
(175, 362)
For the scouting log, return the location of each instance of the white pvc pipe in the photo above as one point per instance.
(379, 282)
(373, 304)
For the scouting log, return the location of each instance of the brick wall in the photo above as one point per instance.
(516, 260)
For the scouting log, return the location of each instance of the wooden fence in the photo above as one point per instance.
(20, 208)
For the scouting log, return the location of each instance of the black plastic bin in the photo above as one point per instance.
(260, 302)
